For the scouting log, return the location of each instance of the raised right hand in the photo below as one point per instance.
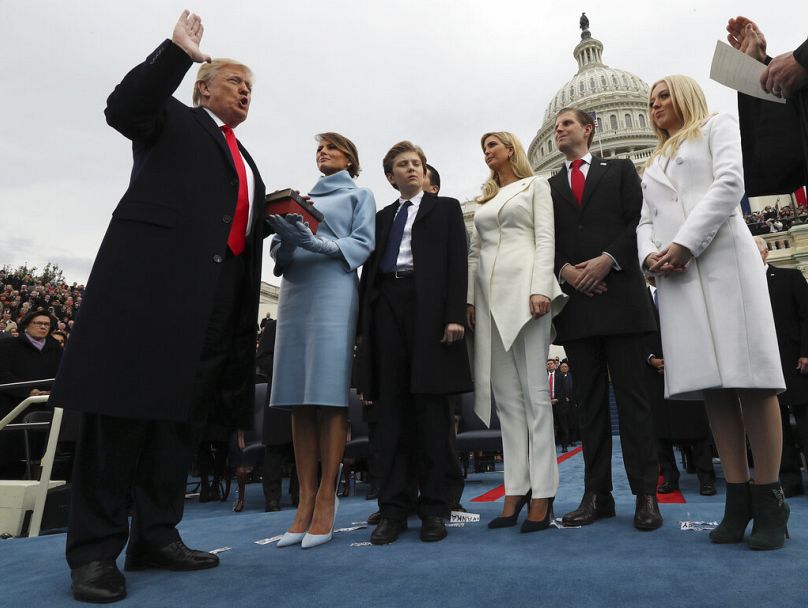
(188, 34)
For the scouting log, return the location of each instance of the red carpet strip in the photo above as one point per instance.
(499, 491)
(674, 497)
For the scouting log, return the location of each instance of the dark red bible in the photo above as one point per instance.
(283, 202)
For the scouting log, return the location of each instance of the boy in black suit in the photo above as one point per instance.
(412, 354)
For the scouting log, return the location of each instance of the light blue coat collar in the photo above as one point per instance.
(331, 183)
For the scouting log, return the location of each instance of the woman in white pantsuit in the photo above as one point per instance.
(512, 297)
(714, 301)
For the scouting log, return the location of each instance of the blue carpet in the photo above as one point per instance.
(605, 564)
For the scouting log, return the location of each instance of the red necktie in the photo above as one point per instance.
(550, 374)
(237, 240)
(577, 180)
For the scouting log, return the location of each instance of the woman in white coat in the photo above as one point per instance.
(713, 302)
(512, 297)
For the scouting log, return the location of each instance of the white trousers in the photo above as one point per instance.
(522, 396)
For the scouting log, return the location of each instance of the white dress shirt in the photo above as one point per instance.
(404, 262)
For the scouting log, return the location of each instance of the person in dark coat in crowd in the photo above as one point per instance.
(677, 422)
(277, 427)
(788, 292)
(565, 407)
(193, 210)
(33, 355)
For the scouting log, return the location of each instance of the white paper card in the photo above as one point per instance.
(460, 516)
(739, 71)
(220, 550)
(268, 541)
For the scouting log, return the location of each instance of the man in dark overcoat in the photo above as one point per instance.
(189, 228)
(411, 348)
(788, 292)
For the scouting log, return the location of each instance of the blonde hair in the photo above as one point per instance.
(207, 71)
(689, 104)
(519, 163)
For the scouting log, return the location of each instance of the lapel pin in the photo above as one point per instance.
(602, 164)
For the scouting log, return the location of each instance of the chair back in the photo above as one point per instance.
(469, 420)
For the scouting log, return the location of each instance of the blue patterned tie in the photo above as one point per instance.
(390, 257)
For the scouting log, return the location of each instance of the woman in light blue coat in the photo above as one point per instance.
(316, 329)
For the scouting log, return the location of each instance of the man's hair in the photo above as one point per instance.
(400, 148)
(585, 118)
(433, 176)
(344, 145)
(207, 71)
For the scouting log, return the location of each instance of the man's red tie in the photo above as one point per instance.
(237, 240)
(577, 180)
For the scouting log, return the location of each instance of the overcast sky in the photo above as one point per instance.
(438, 72)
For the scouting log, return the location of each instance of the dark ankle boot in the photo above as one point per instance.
(737, 513)
(771, 510)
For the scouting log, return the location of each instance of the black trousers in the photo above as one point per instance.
(790, 465)
(592, 360)
(276, 457)
(563, 424)
(411, 438)
(701, 454)
(143, 464)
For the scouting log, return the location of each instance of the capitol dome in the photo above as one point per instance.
(617, 98)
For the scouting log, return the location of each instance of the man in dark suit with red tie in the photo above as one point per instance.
(788, 292)
(190, 228)
(597, 204)
(411, 344)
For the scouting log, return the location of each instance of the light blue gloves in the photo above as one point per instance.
(293, 232)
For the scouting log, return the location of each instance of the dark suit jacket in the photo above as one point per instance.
(606, 221)
(440, 256)
(136, 346)
(788, 291)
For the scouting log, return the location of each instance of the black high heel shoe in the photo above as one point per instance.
(510, 521)
(534, 526)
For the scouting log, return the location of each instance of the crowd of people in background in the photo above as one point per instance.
(21, 292)
(775, 219)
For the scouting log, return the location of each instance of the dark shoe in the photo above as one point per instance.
(433, 529)
(374, 518)
(771, 511)
(272, 506)
(707, 488)
(737, 513)
(458, 507)
(175, 556)
(667, 487)
(510, 520)
(530, 525)
(593, 507)
(564, 449)
(98, 582)
(647, 515)
(388, 531)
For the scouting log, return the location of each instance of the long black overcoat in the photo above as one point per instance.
(136, 345)
(788, 291)
(440, 259)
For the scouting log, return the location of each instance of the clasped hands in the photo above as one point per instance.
(671, 260)
(784, 75)
(588, 277)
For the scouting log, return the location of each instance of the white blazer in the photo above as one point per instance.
(716, 320)
(511, 258)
